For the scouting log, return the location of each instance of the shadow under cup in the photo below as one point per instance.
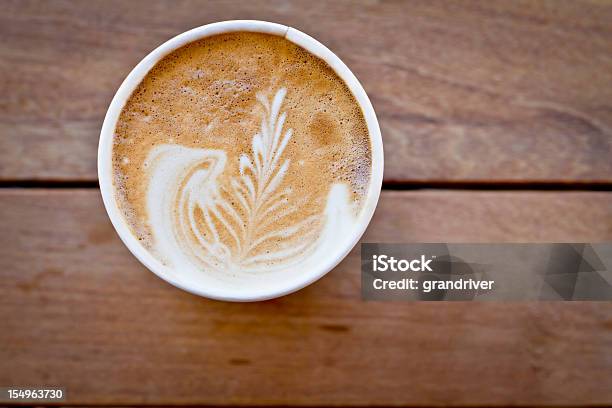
(253, 289)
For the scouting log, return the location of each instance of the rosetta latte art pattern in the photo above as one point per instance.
(240, 226)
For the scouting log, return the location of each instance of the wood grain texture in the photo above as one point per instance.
(77, 310)
(465, 91)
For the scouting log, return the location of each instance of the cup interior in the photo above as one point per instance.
(204, 285)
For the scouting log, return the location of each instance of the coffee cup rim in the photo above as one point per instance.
(133, 79)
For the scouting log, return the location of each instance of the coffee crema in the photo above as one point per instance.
(241, 154)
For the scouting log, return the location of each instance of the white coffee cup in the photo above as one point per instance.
(292, 282)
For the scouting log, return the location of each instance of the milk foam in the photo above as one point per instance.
(195, 227)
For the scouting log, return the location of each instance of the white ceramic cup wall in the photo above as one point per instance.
(292, 283)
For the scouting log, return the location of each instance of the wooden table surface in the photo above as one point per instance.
(497, 123)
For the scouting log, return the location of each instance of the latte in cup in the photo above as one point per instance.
(241, 156)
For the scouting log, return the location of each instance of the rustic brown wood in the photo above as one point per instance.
(465, 91)
(77, 310)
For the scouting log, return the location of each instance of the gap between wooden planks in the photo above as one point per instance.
(78, 311)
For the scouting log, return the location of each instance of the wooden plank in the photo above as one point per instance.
(78, 311)
(465, 91)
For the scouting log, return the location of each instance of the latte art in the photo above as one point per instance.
(196, 222)
(241, 156)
